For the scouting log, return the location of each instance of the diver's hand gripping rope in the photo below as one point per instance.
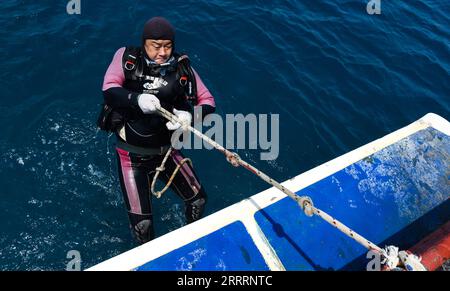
(304, 202)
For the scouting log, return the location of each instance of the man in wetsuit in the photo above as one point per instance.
(138, 81)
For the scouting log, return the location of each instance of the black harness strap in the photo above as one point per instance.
(132, 63)
(187, 78)
(133, 60)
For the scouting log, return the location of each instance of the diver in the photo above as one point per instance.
(137, 82)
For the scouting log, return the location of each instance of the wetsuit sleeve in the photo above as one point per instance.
(113, 92)
(204, 97)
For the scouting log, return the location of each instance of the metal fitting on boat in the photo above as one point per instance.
(233, 158)
(307, 205)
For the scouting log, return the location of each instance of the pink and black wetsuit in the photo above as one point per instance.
(148, 130)
(142, 132)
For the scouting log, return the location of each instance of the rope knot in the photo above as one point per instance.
(390, 256)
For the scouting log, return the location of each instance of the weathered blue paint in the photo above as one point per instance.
(397, 195)
(229, 248)
(382, 197)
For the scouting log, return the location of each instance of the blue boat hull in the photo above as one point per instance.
(395, 195)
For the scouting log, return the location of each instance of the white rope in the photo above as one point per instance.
(389, 254)
(161, 168)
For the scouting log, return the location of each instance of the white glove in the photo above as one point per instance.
(148, 103)
(185, 118)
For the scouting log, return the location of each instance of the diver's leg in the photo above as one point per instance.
(133, 176)
(187, 186)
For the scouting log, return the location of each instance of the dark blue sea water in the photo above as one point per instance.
(338, 77)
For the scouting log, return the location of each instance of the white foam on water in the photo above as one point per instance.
(56, 127)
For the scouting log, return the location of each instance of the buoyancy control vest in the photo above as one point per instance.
(172, 82)
(149, 78)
